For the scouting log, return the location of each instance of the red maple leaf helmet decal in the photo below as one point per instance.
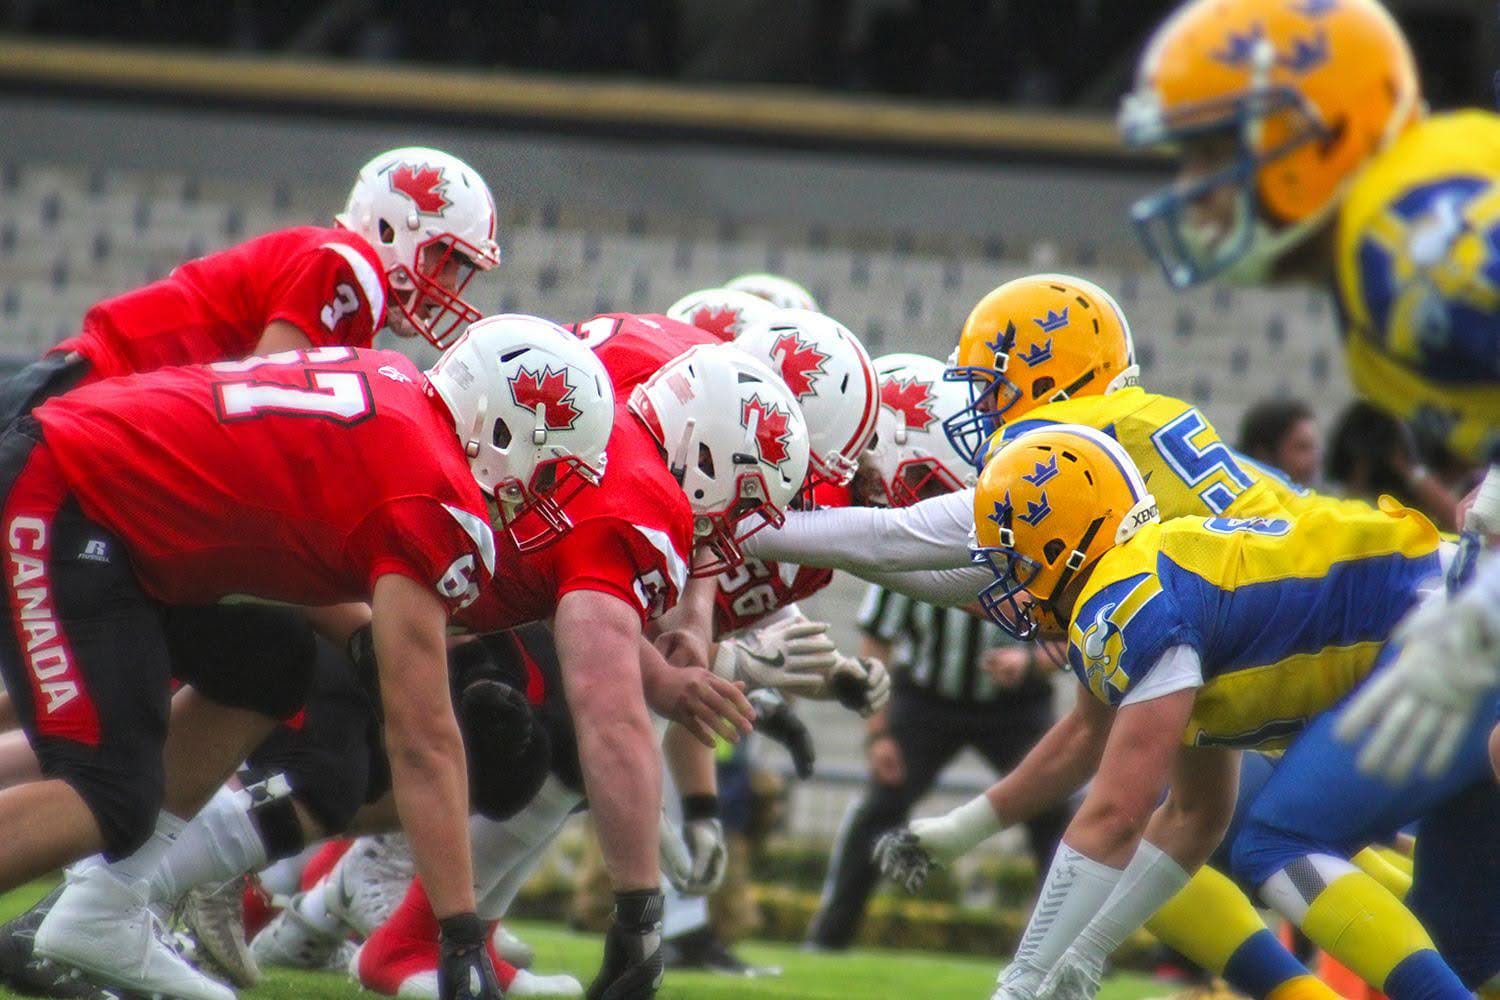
(722, 323)
(801, 363)
(549, 389)
(911, 397)
(423, 185)
(772, 433)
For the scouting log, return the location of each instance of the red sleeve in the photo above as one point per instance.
(439, 546)
(333, 295)
(641, 566)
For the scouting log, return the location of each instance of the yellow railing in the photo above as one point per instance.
(766, 112)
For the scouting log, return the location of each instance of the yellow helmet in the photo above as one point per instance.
(1047, 506)
(1306, 91)
(1031, 341)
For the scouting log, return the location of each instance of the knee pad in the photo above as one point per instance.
(509, 750)
(124, 799)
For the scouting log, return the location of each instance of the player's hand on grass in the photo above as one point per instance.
(795, 657)
(1418, 710)
(464, 969)
(633, 962)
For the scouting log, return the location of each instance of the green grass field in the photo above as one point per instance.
(862, 974)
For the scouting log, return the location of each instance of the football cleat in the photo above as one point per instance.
(369, 882)
(511, 948)
(103, 926)
(213, 918)
(291, 941)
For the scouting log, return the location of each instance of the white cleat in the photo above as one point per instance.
(291, 941)
(214, 917)
(102, 926)
(511, 948)
(369, 882)
(424, 986)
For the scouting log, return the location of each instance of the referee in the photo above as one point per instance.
(959, 682)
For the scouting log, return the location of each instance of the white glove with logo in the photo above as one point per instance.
(1418, 709)
(861, 684)
(907, 855)
(795, 657)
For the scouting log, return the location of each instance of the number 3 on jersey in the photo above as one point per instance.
(340, 396)
(1210, 469)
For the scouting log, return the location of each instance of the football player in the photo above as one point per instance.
(722, 312)
(1306, 152)
(189, 485)
(1193, 638)
(419, 223)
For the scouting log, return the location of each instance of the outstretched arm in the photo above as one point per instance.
(933, 534)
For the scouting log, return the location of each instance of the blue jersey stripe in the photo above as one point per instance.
(1255, 624)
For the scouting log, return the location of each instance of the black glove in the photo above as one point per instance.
(777, 720)
(464, 969)
(508, 749)
(633, 963)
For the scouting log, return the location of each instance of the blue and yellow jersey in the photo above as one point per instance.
(1286, 614)
(1418, 278)
(1186, 465)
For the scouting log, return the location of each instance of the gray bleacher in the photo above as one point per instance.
(72, 235)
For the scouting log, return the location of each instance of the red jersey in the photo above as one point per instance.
(328, 283)
(634, 347)
(299, 477)
(755, 589)
(632, 538)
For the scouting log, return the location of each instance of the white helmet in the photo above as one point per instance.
(832, 378)
(722, 312)
(910, 452)
(533, 409)
(431, 219)
(735, 440)
(784, 293)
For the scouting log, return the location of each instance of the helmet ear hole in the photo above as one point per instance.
(387, 232)
(1053, 549)
(501, 435)
(705, 460)
(1042, 386)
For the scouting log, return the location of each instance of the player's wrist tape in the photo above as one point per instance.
(639, 910)
(462, 930)
(696, 807)
(725, 659)
(973, 822)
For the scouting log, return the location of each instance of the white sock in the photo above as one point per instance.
(284, 878)
(220, 843)
(142, 865)
(683, 914)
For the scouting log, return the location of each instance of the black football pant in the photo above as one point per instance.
(930, 733)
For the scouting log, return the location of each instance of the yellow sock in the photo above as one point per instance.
(1304, 988)
(1207, 921)
(1362, 925)
(1380, 864)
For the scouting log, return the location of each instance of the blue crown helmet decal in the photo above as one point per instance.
(1037, 353)
(1304, 56)
(1004, 341)
(1002, 514)
(1044, 472)
(1037, 510)
(1054, 320)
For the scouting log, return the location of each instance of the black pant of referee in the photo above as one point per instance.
(943, 703)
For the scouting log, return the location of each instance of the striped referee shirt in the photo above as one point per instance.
(937, 650)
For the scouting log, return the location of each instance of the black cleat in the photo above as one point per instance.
(702, 950)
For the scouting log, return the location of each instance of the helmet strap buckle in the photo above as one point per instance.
(1075, 560)
(539, 429)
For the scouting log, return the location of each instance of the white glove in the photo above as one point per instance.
(1484, 516)
(1076, 976)
(1019, 980)
(795, 656)
(695, 861)
(861, 684)
(1420, 707)
(907, 856)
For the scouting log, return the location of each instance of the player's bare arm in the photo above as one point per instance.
(422, 737)
(694, 698)
(598, 644)
(279, 335)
